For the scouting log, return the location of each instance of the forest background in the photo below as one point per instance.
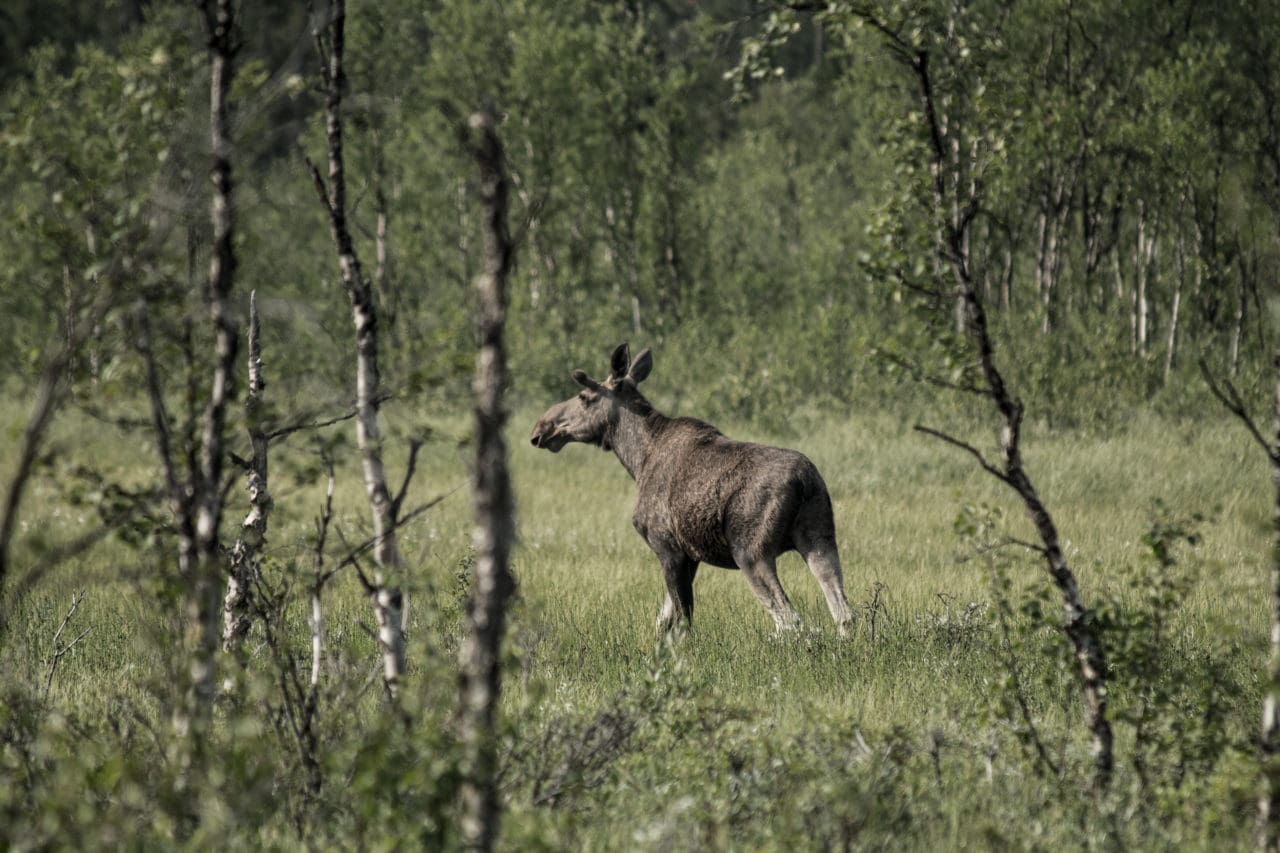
(744, 187)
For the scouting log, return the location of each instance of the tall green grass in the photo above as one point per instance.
(733, 737)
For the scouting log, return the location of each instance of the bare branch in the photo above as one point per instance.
(120, 422)
(302, 425)
(49, 393)
(159, 413)
(1033, 731)
(415, 444)
(1233, 403)
(369, 544)
(968, 448)
(992, 547)
(322, 190)
(930, 378)
(59, 650)
(951, 195)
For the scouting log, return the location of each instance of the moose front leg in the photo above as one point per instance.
(678, 572)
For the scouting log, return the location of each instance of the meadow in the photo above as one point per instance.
(907, 734)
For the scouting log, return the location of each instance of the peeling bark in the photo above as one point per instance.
(245, 561)
(386, 596)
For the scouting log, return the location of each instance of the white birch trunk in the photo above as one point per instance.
(1237, 321)
(1143, 259)
(386, 596)
(1171, 339)
(253, 530)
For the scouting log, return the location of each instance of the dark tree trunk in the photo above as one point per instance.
(1269, 737)
(949, 194)
(1269, 742)
(481, 676)
(199, 559)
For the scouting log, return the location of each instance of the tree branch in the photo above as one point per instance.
(968, 448)
(159, 413)
(932, 379)
(59, 650)
(415, 444)
(372, 542)
(301, 426)
(1233, 403)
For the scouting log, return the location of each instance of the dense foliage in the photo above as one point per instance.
(720, 178)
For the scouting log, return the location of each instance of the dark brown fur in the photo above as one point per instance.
(703, 497)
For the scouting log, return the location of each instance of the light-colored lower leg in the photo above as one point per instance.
(824, 562)
(667, 615)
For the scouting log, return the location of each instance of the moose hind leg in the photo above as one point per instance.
(678, 573)
(823, 560)
(762, 575)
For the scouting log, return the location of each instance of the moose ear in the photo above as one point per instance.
(618, 363)
(585, 381)
(640, 368)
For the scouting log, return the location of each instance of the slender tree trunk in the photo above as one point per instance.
(253, 530)
(1052, 269)
(383, 282)
(1048, 294)
(1118, 277)
(1088, 651)
(47, 398)
(1171, 340)
(1268, 817)
(494, 509)
(1006, 280)
(386, 595)
(1237, 321)
(1269, 742)
(200, 561)
(1143, 258)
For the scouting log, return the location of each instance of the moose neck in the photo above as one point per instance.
(631, 437)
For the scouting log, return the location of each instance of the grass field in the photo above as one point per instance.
(905, 735)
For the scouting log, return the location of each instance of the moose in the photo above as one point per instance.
(703, 497)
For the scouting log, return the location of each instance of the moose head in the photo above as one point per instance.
(592, 415)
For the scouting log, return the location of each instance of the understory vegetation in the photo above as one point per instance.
(923, 729)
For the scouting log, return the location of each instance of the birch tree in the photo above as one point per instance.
(954, 200)
(198, 501)
(494, 531)
(386, 594)
(253, 530)
(1269, 736)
